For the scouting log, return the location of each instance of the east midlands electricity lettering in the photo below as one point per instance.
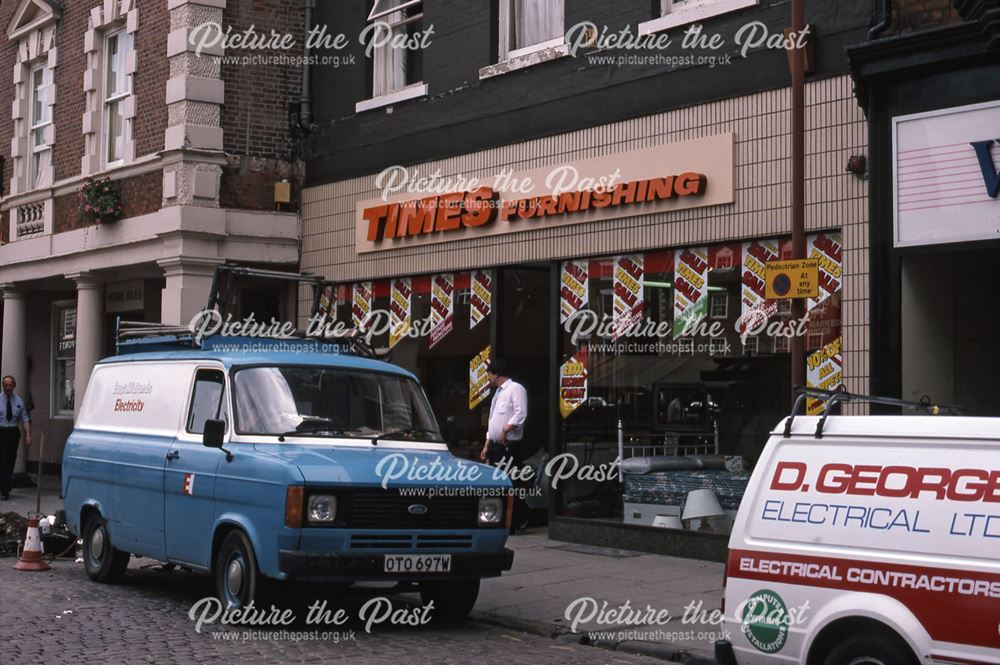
(482, 207)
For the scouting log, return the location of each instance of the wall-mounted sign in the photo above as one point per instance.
(946, 169)
(124, 296)
(661, 179)
(798, 278)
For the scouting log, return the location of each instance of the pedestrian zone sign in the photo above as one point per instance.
(798, 278)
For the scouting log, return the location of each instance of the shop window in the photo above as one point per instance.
(117, 88)
(681, 12)
(397, 66)
(719, 305)
(64, 360)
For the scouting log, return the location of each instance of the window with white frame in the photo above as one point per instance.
(392, 27)
(718, 304)
(680, 12)
(530, 25)
(781, 344)
(117, 87)
(751, 344)
(784, 307)
(39, 122)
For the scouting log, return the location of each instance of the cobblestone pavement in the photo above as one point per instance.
(60, 616)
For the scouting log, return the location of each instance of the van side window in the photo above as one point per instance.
(207, 401)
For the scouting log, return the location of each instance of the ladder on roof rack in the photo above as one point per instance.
(833, 397)
(138, 335)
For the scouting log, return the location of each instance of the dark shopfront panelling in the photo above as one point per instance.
(463, 114)
(940, 69)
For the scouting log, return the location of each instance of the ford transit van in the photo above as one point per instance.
(275, 465)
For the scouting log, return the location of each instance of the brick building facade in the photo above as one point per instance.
(193, 139)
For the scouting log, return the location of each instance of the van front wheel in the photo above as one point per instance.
(870, 649)
(237, 579)
(452, 600)
(101, 560)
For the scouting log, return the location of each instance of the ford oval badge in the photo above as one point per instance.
(417, 509)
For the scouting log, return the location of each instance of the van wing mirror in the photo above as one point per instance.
(214, 436)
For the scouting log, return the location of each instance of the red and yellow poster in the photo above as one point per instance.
(629, 298)
(824, 365)
(573, 291)
(361, 304)
(479, 386)
(400, 310)
(442, 307)
(756, 309)
(824, 370)
(690, 289)
(828, 248)
(482, 297)
(573, 383)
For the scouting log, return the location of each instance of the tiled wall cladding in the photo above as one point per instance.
(836, 129)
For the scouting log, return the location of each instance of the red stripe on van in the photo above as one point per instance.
(959, 661)
(964, 608)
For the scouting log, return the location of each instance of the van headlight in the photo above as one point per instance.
(490, 511)
(322, 508)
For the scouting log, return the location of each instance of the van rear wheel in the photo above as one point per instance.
(452, 600)
(101, 560)
(870, 649)
(238, 581)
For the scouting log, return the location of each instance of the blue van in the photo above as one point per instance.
(278, 464)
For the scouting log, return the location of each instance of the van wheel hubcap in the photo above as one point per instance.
(234, 577)
(866, 660)
(97, 544)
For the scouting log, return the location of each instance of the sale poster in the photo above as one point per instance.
(573, 383)
(482, 297)
(756, 309)
(690, 289)
(361, 304)
(574, 288)
(400, 310)
(442, 307)
(629, 300)
(479, 385)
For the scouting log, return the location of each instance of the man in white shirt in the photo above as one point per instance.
(505, 432)
(508, 411)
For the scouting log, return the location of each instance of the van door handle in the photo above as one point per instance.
(173, 454)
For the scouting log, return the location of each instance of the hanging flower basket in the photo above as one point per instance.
(99, 200)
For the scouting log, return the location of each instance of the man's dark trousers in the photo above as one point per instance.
(495, 452)
(9, 439)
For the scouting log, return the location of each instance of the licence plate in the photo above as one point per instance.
(417, 563)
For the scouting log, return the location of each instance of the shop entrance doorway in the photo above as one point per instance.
(949, 327)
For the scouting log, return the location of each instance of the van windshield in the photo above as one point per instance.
(331, 402)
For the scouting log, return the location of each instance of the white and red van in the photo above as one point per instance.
(875, 542)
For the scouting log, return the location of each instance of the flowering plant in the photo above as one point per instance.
(99, 200)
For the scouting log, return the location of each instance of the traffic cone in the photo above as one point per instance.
(31, 557)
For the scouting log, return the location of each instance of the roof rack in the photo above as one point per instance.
(133, 336)
(833, 397)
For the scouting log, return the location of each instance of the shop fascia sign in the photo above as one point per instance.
(946, 170)
(673, 177)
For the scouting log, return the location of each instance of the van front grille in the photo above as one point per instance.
(377, 508)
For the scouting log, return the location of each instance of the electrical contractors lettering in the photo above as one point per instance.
(908, 498)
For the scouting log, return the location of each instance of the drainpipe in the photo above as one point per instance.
(881, 8)
(305, 100)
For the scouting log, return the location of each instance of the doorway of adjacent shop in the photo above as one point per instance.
(949, 319)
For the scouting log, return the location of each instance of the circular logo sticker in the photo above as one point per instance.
(764, 619)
